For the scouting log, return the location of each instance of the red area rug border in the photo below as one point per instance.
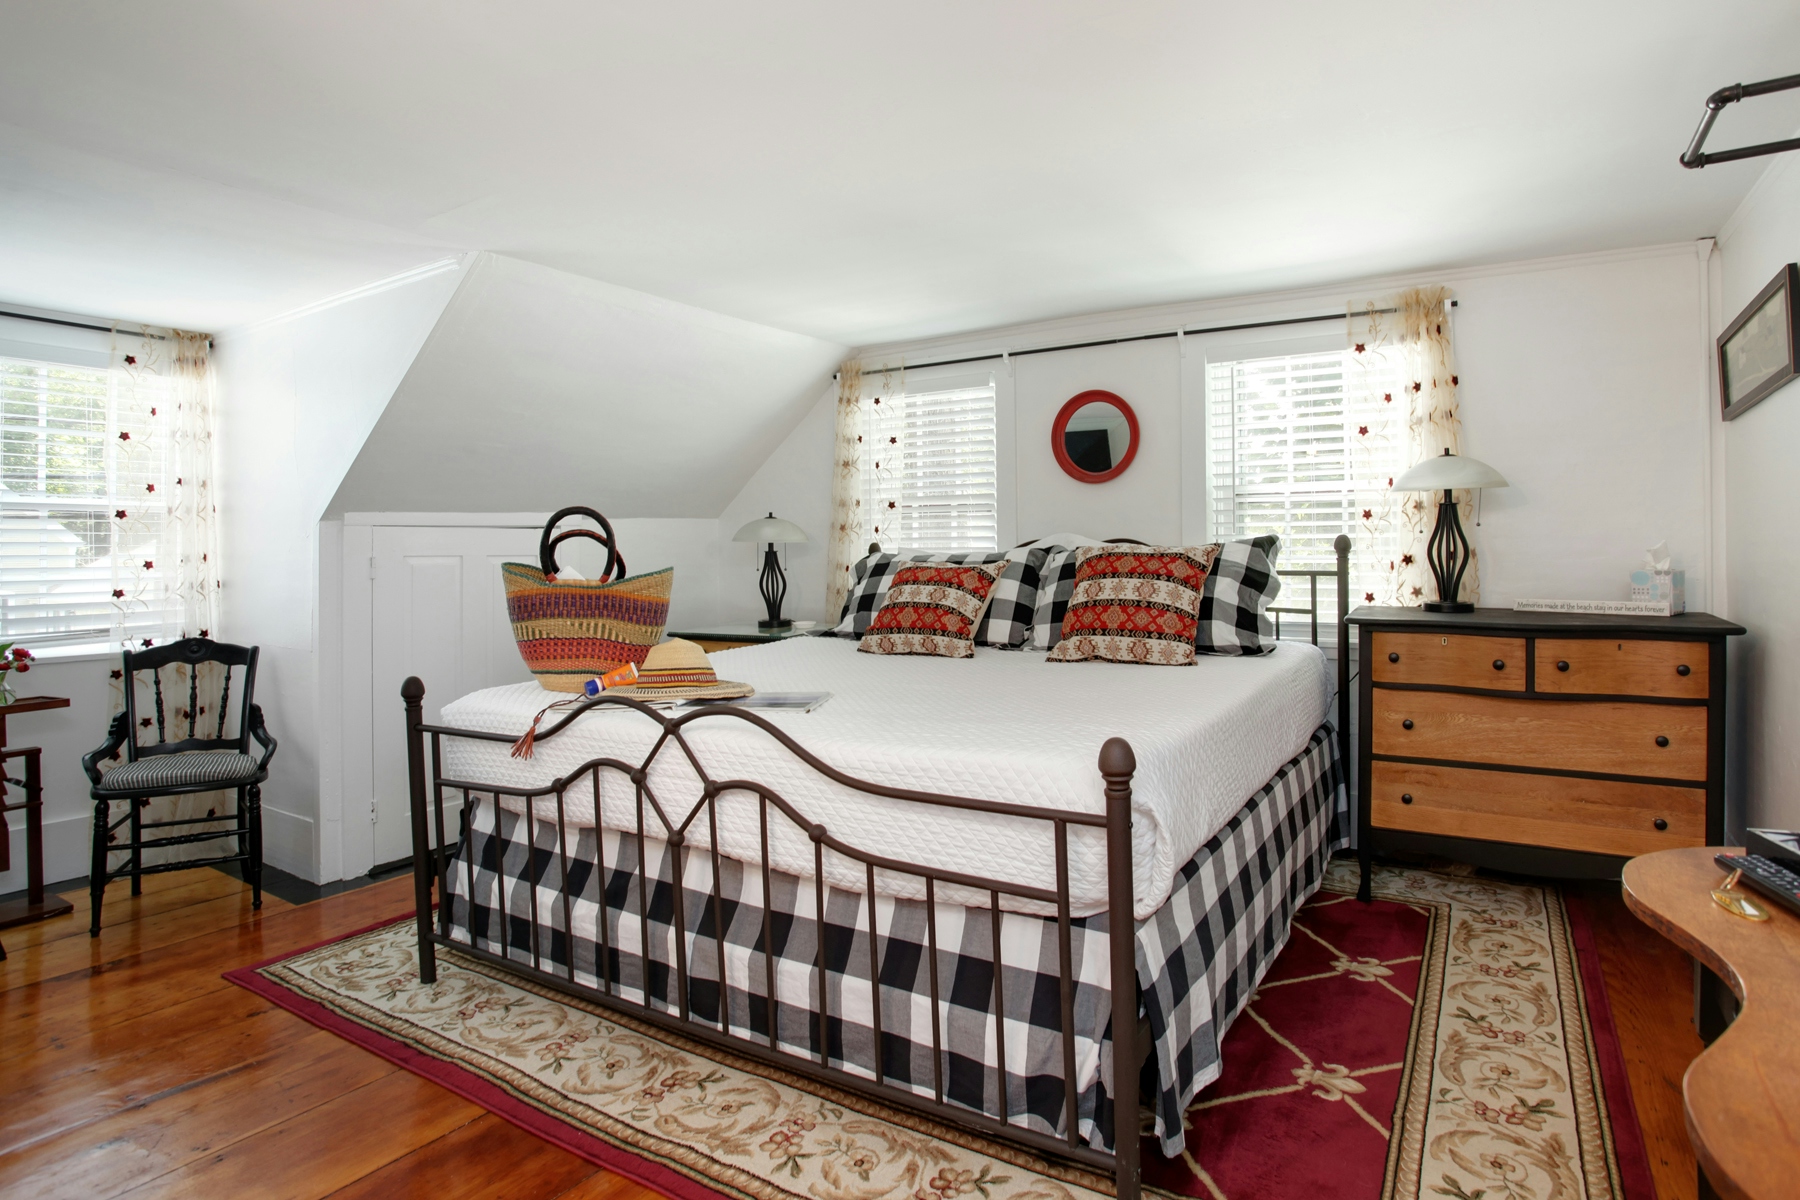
(1629, 1149)
(466, 1083)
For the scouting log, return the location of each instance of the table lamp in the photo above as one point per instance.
(772, 530)
(1448, 550)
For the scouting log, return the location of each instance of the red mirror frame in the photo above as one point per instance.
(1061, 426)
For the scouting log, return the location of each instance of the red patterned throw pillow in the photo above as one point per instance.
(1135, 604)
(933, 608)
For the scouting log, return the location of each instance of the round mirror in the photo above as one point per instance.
(1095, 436)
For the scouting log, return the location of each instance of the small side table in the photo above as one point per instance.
(729, 637)
(35, 906)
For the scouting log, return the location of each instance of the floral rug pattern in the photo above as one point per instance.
(1478, 1080)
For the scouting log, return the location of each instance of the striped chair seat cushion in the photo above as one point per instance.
(225, 768)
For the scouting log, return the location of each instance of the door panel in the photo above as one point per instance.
(440, 614)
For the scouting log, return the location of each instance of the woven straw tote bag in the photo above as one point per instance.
(572, 630)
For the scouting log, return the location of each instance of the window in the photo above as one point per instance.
(80, 507)
(930, 477)
(1284, 452)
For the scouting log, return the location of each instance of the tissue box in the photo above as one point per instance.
(1661, 587)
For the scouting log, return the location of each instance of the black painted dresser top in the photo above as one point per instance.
(1506, 620)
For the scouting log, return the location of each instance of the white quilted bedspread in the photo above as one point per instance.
(1003, 725)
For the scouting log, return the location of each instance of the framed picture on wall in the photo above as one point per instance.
(1757, 351)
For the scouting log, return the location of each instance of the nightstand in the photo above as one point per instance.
(729, 637)
(1545, 743)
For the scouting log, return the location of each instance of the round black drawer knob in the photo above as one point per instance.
(1406, 724)
(1393, 656)
(1562, 664)
(1406, 798)
(1660, 824)
(1684, 669)
(1499, 664)
(1661, 740)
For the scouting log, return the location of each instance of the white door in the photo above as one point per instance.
(440, 614)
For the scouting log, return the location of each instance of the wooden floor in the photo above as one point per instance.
(129, 1067)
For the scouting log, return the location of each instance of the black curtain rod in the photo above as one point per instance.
(1140, 337)
(7, 312)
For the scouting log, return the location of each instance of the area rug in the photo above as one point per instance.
(1450, 1040)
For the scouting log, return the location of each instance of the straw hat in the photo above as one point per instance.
(679, 670)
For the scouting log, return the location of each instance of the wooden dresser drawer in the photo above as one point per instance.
(1595, 815)
(1624, 668)
(1450, 660)
(1560, 735)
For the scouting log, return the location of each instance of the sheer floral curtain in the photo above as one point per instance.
(1407, 339)
(847, 540)
(853, 526)
(165, 541)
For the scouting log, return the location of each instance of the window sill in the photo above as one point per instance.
(76, 652)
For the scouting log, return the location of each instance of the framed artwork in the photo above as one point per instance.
(1757, 351)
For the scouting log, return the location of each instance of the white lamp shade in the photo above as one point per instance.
(1449, 471)
(770, 529)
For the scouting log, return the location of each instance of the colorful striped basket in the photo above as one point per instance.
(572, 630)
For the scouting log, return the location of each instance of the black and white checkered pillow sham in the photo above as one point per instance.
(1056, 585)
(1234, 607)
(1007, 623)
(874, 574)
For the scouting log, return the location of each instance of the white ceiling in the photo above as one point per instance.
(855, 172)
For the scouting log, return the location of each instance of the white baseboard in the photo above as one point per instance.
(66, 851)
(288, 843)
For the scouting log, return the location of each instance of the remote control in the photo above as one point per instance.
(1770, 878)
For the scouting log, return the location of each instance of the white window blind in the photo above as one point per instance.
(1285, 456)
(931, 473)
(79, 506)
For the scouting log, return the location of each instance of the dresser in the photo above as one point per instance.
(1545, 743)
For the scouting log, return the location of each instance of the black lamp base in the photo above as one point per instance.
(774, 590)
(1448, 556)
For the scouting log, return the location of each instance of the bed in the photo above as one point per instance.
(1010, 858)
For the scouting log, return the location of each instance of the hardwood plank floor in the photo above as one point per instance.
(132, 1069)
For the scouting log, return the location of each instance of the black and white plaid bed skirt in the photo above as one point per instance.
(1199, 957)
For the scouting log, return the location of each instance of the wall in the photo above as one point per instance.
(794, 482)
(1582, 380)
(1144, 502)
(1762, 513)
(297, 399)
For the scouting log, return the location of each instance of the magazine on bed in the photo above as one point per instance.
(790, 701)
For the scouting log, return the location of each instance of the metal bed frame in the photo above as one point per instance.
(432, 856)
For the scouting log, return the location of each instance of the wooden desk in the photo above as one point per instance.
(1742, 1094)
(35, 906)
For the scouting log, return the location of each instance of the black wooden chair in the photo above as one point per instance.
(195, 763)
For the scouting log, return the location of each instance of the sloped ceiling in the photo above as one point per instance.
(538, 388)
(858, 172)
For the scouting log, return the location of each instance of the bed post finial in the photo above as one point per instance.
(1117, 764)
(413, 692)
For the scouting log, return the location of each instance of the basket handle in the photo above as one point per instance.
(547, 544)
